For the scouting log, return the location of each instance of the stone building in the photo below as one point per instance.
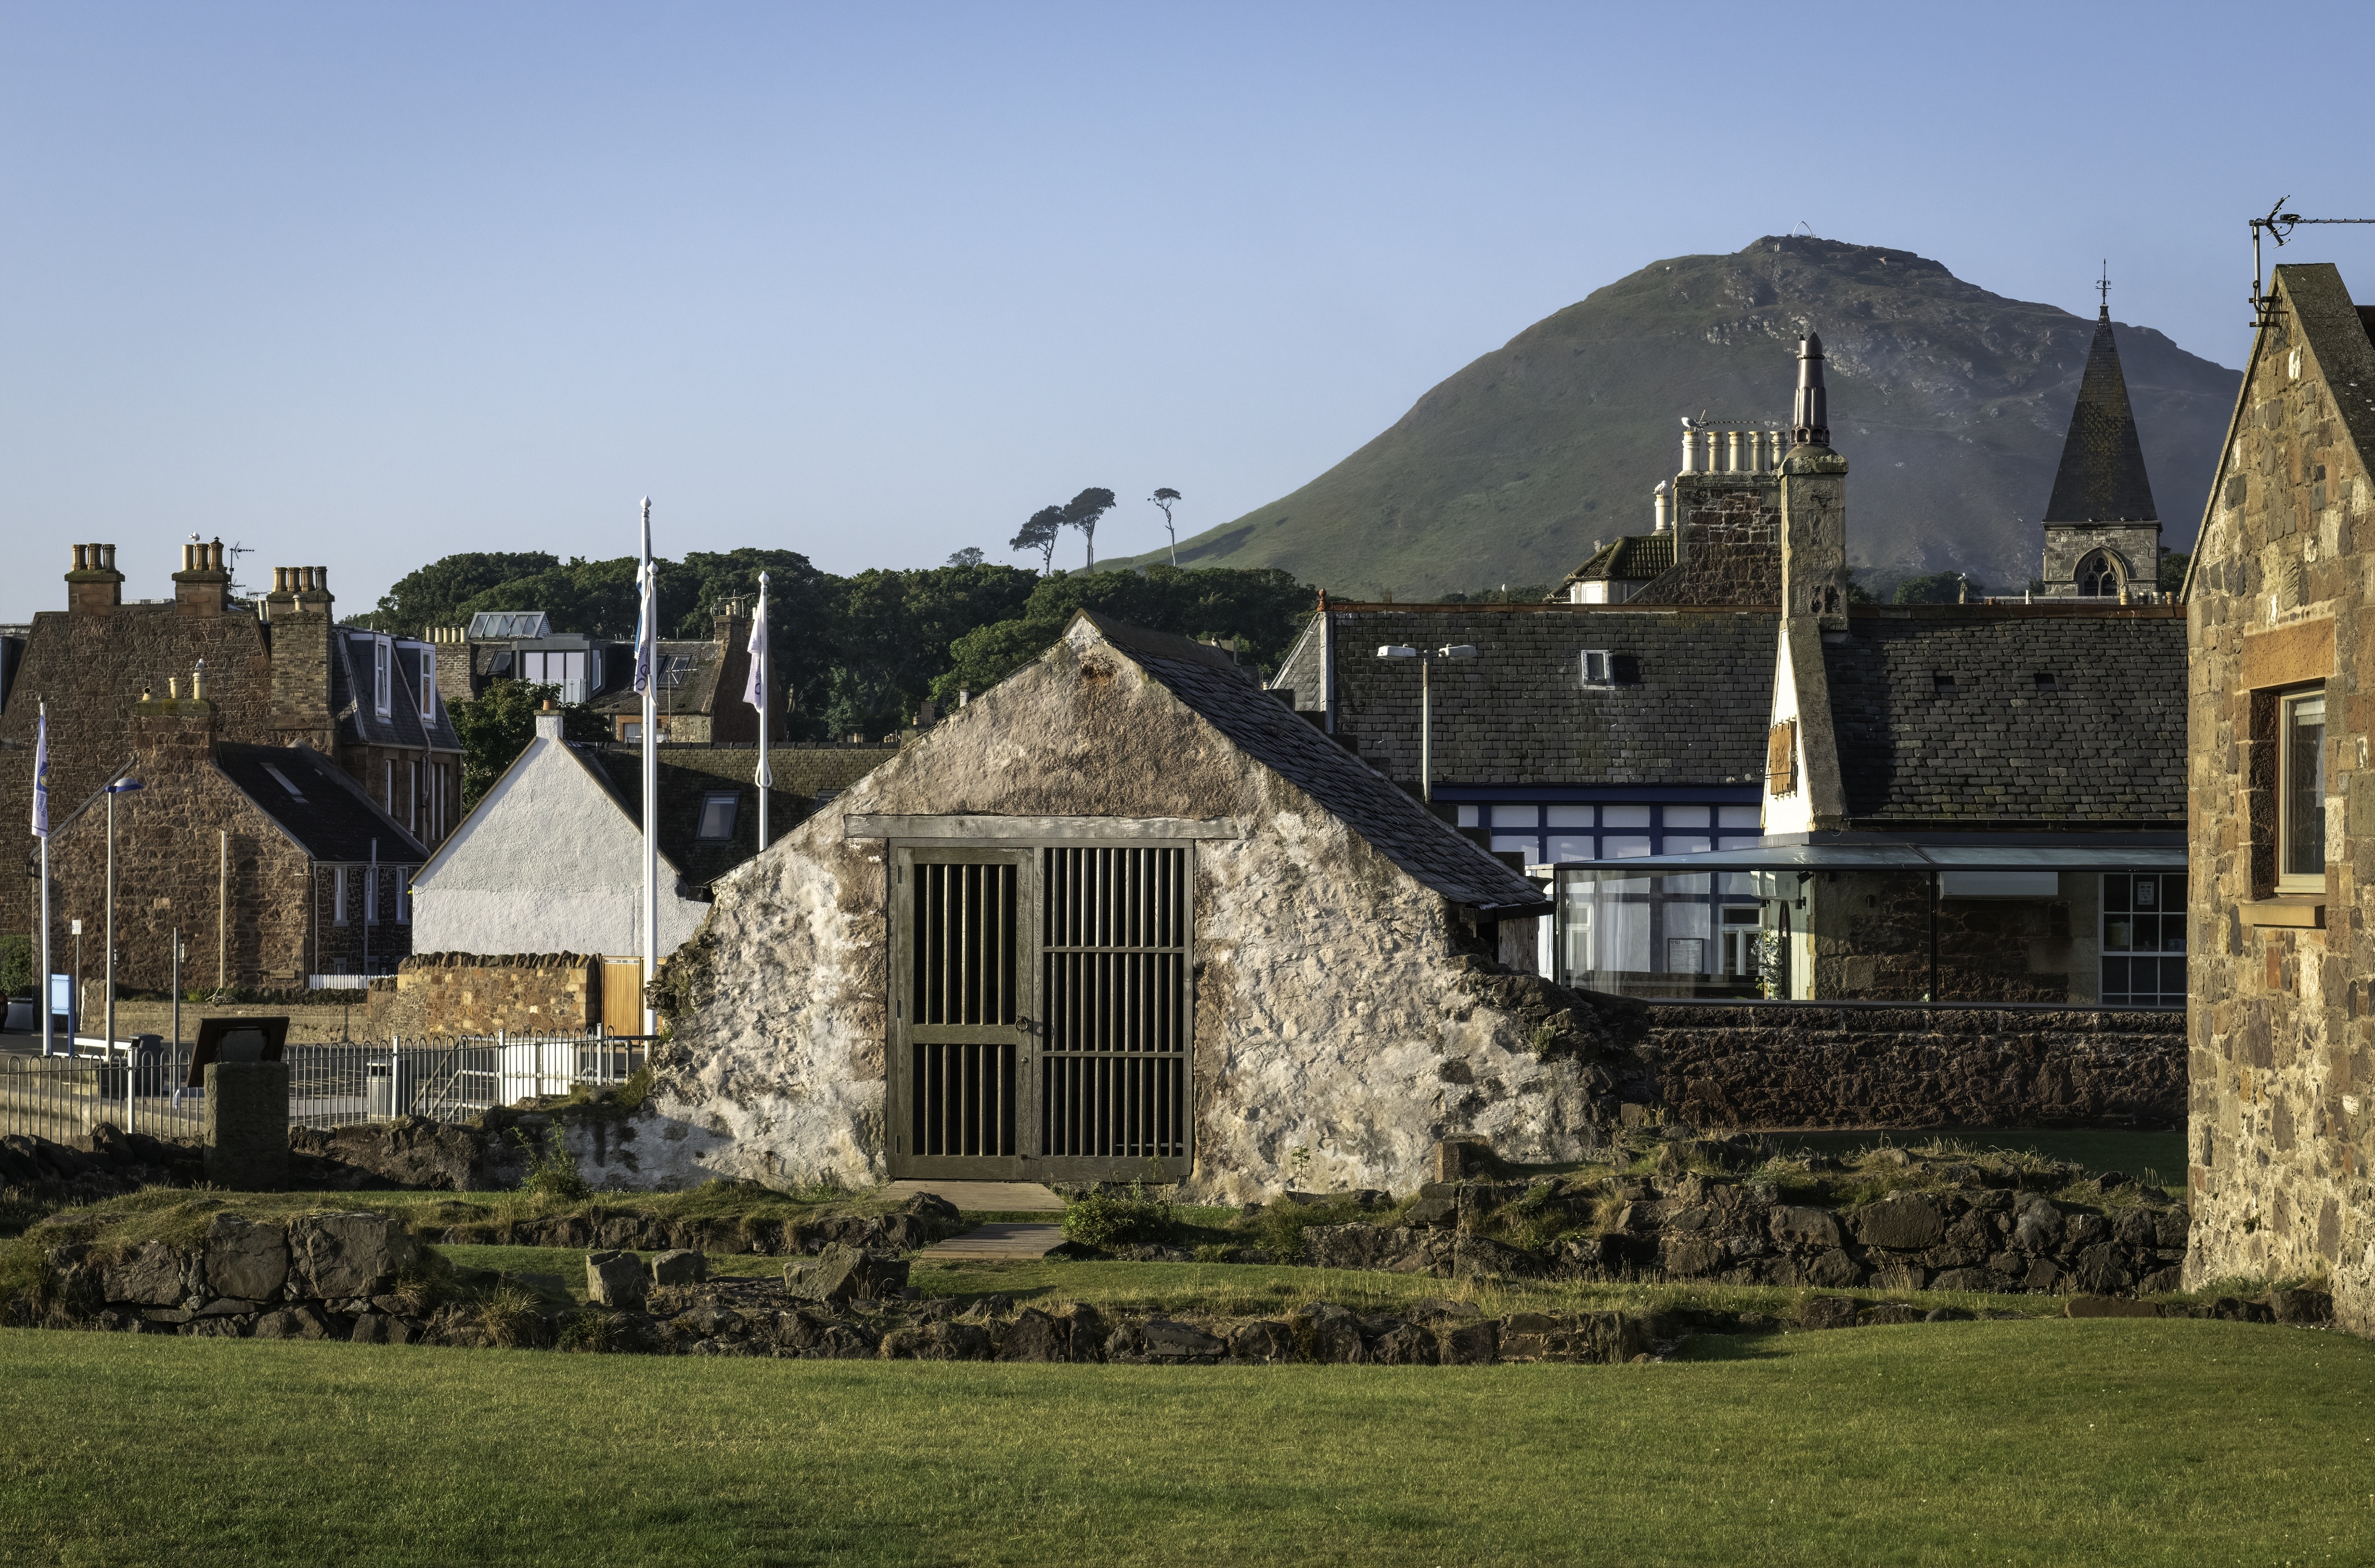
(273, 864)
(1980, 802)
(278, 672)
(1125, 914)
(2280, 603)
(2102, 532)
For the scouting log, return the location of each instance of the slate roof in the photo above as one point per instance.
(1692, 700)
(327, 812)
(689, 774)
(2101, 745)
(2102, 475)
(1396, 826)
(1634, 558)
(359, 719)
(690, 687)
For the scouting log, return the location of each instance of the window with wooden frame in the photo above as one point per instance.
(2301, 791)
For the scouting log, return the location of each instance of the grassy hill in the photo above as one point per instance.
(1949, 402)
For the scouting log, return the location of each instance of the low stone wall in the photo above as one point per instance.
(446, 994)
(1773, 1065)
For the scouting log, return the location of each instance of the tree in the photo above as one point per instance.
(1166, 498)
(1040, 533)
(1261, 608)
(496, 727)
(434, 595)
(969, 556)
(1082, 511)
(2172, 570)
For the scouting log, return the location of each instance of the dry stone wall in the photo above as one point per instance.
(447, 993)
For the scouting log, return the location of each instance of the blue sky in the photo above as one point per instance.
(360, 286)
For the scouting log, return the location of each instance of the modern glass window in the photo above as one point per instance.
(2300, 793)
(718, 816)
(2143, 940)
(1570, 815)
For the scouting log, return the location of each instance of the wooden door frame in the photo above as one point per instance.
(1026, 1164)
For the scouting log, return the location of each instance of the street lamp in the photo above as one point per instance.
(1426, 658)
(121, 786)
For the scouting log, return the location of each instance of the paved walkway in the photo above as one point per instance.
(983, 1198)
(999, 1243)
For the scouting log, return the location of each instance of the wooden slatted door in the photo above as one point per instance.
(1113, 1053)
(962, 1012)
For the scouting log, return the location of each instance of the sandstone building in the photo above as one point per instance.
(2280, 605)
(279, 673)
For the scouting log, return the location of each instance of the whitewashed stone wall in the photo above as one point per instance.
(1329, 1016)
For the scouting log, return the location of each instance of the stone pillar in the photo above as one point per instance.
(247, 1125)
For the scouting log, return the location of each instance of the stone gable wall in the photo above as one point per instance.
(1331, 1009)
(2282, 1125)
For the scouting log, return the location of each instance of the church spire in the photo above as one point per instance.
(2102, 475)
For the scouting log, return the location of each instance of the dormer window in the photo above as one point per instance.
(382, 674)
(428, 685)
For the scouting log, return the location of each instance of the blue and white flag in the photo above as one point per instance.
(41, 775)
(644, 634)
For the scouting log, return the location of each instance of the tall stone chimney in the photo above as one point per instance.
(1814, 505)
(94, 586)
(301, 619)
(202, 586)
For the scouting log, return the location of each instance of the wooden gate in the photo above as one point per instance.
(1041, 1008)
(622, 996)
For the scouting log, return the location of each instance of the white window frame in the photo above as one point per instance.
(428, 684)
(1598, 667)
(2289, 881)
(338, 895)
(383, 696)
(412, 804)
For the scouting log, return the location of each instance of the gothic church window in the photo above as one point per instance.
(2098, 576)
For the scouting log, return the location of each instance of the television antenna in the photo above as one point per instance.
(2279, 225)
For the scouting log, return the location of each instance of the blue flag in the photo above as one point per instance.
(41, 776)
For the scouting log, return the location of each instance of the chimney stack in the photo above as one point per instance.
(1813, 506)
(299, 609)
(202, 586)
(94, 586)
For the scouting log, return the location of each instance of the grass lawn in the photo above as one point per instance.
(2128, 1443)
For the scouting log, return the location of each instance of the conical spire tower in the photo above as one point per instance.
(2102, 475)
(2102, 532)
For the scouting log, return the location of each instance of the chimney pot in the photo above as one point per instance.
(82, 556)
(214, 556)
(173, 688)
(111, 556)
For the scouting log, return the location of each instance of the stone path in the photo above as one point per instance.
(999, 1243)
(983, 1198)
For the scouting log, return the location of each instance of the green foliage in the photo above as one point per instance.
(1117, 1219)
(16, 966)
(2173, 564)
(551, 1170)
(1262, 609)
(1082, 511)
(1523, 593)
(434, 595)
(1040, 533)
(496, 727)
(1937, 588)
(1279, 1228)
(1858, 592)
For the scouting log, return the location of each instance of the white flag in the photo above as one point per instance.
(644, 633)
(41, 776)
(754, 690)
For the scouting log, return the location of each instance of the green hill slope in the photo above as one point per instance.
(1949, 402)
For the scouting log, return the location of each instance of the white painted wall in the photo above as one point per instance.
(548, 862)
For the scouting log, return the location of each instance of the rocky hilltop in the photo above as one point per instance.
(1950, 402)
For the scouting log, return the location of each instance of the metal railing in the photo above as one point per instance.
(144, 1088)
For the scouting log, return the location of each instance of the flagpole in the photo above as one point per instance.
(42, 826)
(647, 673)
(766, 690)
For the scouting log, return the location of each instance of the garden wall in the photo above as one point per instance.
(1810, 1065)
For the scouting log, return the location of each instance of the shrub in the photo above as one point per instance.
(1280, 1226)
(1117, 1219)
(16, 966)
(552, 1170)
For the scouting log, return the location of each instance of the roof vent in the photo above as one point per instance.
(2045, 682)
(1599, 668)
(1941, 684)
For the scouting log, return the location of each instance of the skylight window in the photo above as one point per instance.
(282, 780)
(717, 811)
